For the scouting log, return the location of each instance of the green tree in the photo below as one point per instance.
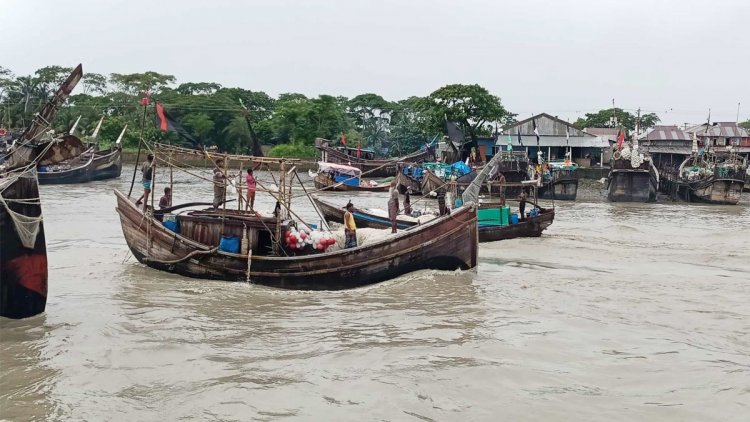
(138, 83)
(94, 83)
(371, 115)
(745, 124)
(471, 106)
(606, 119)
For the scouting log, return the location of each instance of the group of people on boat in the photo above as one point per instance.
(219, 181)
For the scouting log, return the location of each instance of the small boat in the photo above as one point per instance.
(193, 244)
(561, 183)
(365, 159)
(23, 250)
(92, 164)
(338, 177)
(378, 219)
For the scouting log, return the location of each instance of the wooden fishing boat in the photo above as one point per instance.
(107, 163)
(431, 182)
(562, 183)
(23, 251)
(529, 227)
(444, 244)
(626, 183)
(715, 177)
(194, 245)
(338, 177)
(366, 162)
(92, 164)
(405, 182)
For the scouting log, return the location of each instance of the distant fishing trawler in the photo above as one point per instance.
(632, 175)
(714, 176)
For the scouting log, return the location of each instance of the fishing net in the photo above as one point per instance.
(26, 227)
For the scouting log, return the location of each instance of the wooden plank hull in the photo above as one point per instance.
(23, 271)
(631, 186)
(103, 165)
(431, 182)
(323, 182)
(560, 190)
(445, 244)
(370, 168)
(718, 191)
(531, 227)
(107, 164)
(405, 182)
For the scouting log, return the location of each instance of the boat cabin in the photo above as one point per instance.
(340, 173)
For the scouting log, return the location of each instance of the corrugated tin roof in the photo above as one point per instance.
(556, 141)
(720, 130)
(666, 133)
(601, 131)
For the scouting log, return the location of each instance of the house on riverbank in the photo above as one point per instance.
(555, 137)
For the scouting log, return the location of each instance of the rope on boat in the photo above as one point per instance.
(184, 258)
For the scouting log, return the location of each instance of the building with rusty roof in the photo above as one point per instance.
(555, 136)
(722, 134)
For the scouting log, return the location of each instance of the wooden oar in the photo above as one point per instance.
(189, 204)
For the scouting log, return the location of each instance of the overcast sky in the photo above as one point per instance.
(677, 58)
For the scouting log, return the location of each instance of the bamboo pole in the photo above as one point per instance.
(138, 155)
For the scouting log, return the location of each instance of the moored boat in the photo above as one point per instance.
(561, 183)
(92, 164)
(632, 176)
(23, 251)
(532, 226)
(338, 177)
(365, 159)
(715, 177)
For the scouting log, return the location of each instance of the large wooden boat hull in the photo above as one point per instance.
(631, 186)
(323, 182)
(530, 227)
(717, 191)
(23, 271)
(446, 244)
(560, 190)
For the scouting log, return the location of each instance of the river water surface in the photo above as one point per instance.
(619, 312)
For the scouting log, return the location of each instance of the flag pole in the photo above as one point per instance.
(140, 143)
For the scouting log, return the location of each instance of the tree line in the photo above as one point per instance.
(221, 116)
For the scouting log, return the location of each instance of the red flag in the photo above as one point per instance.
(343, 139)
(620, 139)
(359, 150)
(163, 123)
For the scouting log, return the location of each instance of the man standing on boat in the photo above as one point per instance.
(522, 205)
(393, 206)
(219, 183)
(350, 229)
(250, 179)
(147, 171)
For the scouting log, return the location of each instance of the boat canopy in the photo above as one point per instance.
(339, 168)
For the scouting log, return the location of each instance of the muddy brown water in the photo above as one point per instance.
(619, 312)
